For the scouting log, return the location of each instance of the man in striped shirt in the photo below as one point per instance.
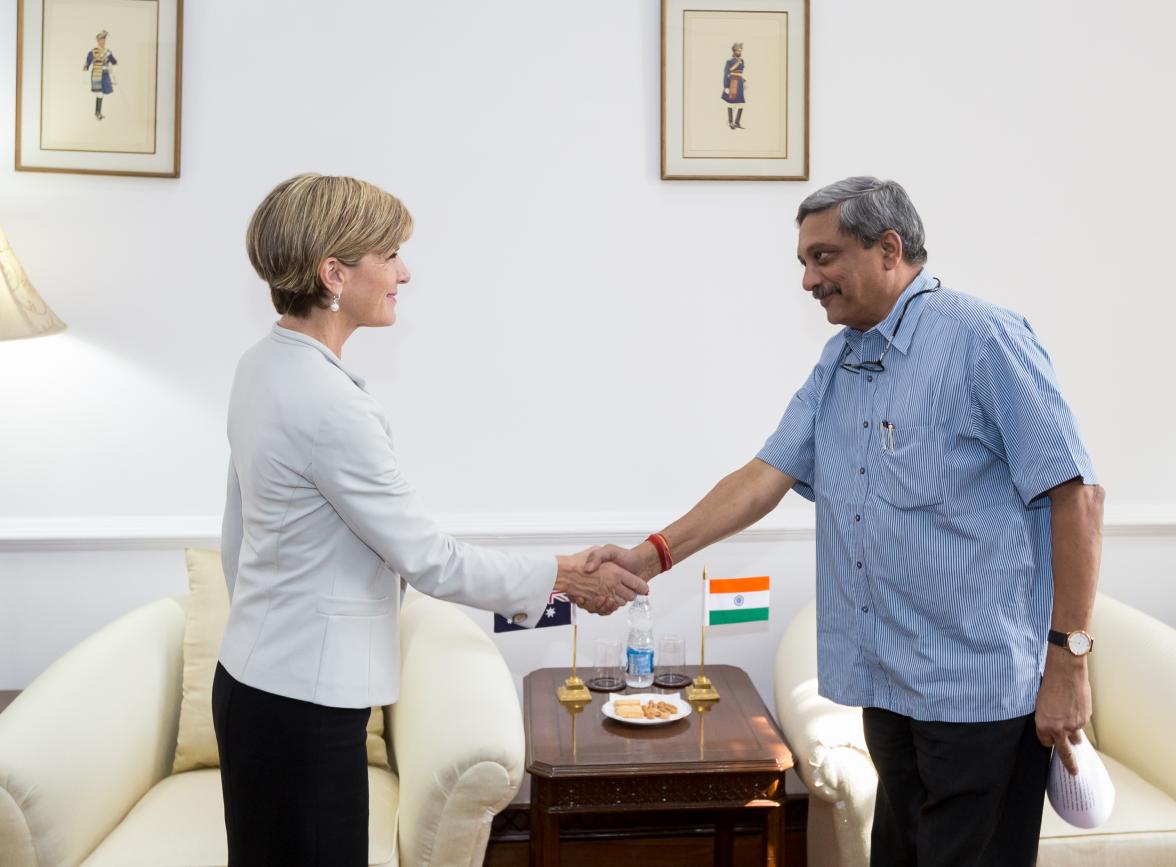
(958, 535)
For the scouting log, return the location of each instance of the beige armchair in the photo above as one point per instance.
(86, 751)
(1133, 681)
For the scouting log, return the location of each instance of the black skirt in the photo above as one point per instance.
(294, 777)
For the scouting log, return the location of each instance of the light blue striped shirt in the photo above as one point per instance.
(934, 579)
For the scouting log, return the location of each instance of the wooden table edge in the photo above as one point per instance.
(550, 772)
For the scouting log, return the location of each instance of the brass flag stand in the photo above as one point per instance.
(702, 690)
(574, 691)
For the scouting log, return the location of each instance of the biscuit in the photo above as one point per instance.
(632, 708)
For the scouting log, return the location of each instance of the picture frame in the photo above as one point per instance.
(98, 86)
(735, 90)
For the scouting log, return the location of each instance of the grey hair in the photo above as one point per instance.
(736, 45)
(868, 209)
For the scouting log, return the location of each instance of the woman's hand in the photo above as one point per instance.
(603, 590)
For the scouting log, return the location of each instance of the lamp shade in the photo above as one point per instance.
(22, 312)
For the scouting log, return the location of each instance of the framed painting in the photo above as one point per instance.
(98, 86)
(735, 90)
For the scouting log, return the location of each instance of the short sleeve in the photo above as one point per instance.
(790, 448)
(1019, 413)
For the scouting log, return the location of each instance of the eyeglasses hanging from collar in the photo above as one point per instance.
(877, 366)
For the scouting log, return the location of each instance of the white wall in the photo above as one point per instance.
(580, 339)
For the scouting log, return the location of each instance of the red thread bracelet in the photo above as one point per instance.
(663, 550)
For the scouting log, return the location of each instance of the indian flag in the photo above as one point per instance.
(737, 600)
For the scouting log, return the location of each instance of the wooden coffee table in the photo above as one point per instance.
(727, 760)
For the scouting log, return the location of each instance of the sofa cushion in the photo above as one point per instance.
(1141, 830)
(207, 612)
(181, 823)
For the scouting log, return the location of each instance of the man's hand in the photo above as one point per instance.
(641, 560)
(1063, 704)
(601, 590)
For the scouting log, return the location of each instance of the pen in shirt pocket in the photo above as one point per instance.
(887, 429)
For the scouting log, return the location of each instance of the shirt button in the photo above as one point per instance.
(861, 471)
(859, 564)
(869, 379)
(857, 517)
(865, 609)
(519, 619)
(865, 424)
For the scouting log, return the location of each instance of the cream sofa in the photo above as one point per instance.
(1133, 681)
(86, 751)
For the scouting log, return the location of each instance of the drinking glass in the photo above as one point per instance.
(671, 656)
(606, 666)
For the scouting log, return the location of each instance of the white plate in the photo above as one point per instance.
(669, 698)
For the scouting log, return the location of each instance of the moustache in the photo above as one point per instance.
(825, 290)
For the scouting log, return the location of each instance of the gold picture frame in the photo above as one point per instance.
(735, 90)
(98, 86)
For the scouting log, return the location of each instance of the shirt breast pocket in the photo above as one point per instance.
(911, 473)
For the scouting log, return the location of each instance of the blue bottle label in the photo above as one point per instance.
(640, 662)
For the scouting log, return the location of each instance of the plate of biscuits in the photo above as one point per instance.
(646, 709)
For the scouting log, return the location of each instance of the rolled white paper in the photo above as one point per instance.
(1085, 801)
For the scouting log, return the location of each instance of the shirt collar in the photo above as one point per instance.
(285, 335)
(902, 341)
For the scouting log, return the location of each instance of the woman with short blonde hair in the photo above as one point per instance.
(310, 217)
(322, 532)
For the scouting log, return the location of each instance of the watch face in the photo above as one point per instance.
(1079, 643)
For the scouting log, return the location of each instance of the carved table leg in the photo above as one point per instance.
(774, 836)
(725, 838)
(544, 842)
(535, 837)
(551, 840)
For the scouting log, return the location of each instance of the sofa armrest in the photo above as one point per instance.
(824, 736)
(457, 734)
(826, 739)
(1133, 683)
(90, 736)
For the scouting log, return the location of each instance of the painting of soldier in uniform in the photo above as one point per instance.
(98, 63)
(110, 105)
(757, 130)
(714, 41)
(98, 86)
(734, 86)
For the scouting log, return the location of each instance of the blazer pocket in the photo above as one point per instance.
(339, 606)
(911, 473)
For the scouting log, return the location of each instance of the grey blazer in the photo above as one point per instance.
(319, 528)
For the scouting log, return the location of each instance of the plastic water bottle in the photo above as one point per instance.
(639, 657)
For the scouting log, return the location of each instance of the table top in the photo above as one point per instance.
(736, 735)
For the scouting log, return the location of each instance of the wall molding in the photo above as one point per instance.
(150, 532)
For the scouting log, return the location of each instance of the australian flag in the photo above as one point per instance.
(557, 613)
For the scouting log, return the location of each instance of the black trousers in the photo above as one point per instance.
(955, 793)
(294, 776)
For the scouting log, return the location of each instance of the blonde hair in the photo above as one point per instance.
(311, 217)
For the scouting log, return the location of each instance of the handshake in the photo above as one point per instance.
(600, 580)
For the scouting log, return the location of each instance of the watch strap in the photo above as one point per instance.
(1058, 638)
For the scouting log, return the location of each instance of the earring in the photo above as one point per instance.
(335, 303)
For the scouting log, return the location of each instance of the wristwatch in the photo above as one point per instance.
(1077, 642)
